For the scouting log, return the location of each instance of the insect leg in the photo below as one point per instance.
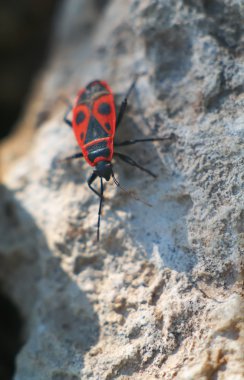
(131, 162)
(100, 210)
(124, 103)
(66, 120)
(76, 155)
(90, 180)
(131, 142)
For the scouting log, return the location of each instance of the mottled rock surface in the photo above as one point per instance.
(160, 296)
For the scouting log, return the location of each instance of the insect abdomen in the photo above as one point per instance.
(99, 151)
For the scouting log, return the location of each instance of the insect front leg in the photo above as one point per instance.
(100, 210)
(100, 195)
(91, 179)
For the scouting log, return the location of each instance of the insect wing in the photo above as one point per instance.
(81, 118)
(94, 116)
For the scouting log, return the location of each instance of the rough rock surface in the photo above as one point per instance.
(159, 297)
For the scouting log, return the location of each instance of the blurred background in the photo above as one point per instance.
(193, 58)
(24, 40)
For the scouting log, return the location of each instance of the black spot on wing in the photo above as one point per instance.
(80, 117)
(104, 109)
(108, 126)
(94, 131)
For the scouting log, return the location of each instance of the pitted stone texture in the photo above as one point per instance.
(159, 297)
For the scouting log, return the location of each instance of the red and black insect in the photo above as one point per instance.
(94, 124)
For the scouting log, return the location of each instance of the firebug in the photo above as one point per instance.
(94, 124)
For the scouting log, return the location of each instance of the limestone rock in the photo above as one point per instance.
(159, 297)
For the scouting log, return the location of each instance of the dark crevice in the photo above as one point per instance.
(11, 339)
(24, 38)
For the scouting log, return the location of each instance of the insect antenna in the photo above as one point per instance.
(129, 192)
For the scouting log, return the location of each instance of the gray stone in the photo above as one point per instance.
(159, 297)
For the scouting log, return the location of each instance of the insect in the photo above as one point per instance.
(94, 124)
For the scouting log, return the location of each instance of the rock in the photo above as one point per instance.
(160, 296)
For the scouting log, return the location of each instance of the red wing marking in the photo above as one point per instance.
(81, 117)
(104, 112)
(94, 121)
